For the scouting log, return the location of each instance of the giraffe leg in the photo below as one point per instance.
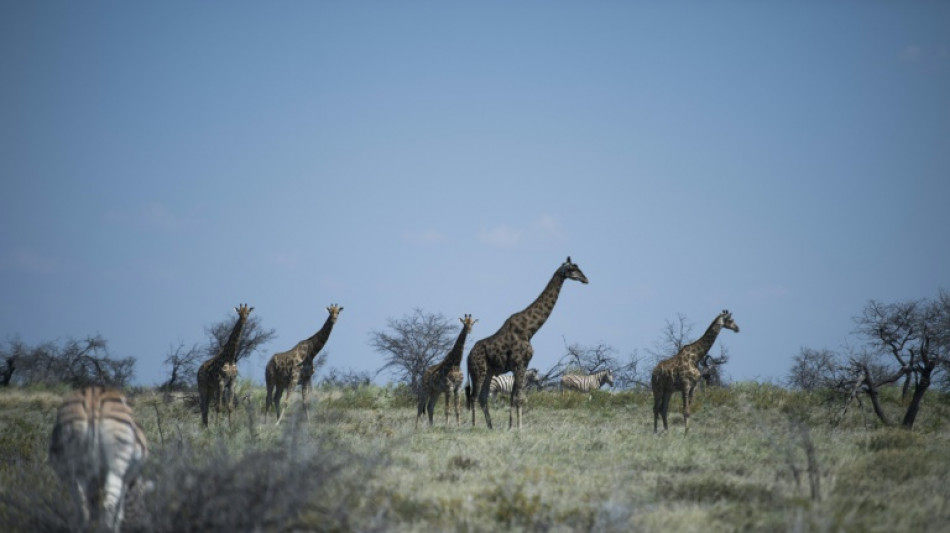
(686, 396)
(421, 407)
(518, 398)
(473, 390)
(659, 408)
(458, 407)
(665, 409)
(446, 407)
(277, 401)
(203, 403)
(227, 398)
(303, 399)
(218, 404)
(657, 401)
(433, 398)
(268, 400)
(483, 400)
(514, 405)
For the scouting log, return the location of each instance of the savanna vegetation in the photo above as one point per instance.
(758, 457)
(853, 440)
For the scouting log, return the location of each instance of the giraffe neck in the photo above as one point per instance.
(533, 317)
(228, 353)
(454, 358)
(698, 349)
(312, 346)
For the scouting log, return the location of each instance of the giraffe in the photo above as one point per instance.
(286, 369)
(216, 375)
(680, 372)
(445, 377)
(509, 348)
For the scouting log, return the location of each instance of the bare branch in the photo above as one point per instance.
(413, 343)
(253, 336)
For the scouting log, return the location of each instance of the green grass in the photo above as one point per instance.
(577, 465)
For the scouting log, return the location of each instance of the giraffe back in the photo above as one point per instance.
(98, 449)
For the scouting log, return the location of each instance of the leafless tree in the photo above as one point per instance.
(913, 336)
(588, 359)
(629, 375)
(412, 344)
(75, 362)
(346, 378)
(183, 365)
(675, 335)
(253, 337)
(813, 370)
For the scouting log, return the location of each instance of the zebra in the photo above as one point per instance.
(587, 383)
(504, 384)
(97, 450)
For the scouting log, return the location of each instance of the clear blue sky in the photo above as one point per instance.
(162, 162)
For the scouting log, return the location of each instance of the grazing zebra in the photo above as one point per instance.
(98, 450)
(587, 383)
(504, 384)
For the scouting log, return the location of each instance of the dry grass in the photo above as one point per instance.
(578, 465)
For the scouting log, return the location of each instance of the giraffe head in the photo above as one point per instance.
(243, 311)
(334, 311)
(726, 321)
(468, 322)
(570, 270)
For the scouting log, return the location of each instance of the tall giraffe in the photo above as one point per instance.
(286, 369)
(681, 373)
(509, 348)
(445, 377)
(216, 375)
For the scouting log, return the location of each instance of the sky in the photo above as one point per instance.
(162, 162)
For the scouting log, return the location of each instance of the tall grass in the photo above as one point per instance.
(758, 457)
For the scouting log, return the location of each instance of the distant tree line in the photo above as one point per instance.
(79, 363)
(905, 344)
(74, 362)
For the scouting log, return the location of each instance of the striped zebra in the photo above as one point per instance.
(98, 450)
(504, 384)
(587, 383)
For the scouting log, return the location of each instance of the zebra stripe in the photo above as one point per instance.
(506, 383)
(97, 446)
(587, 383)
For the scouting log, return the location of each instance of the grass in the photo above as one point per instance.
(758, 458)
